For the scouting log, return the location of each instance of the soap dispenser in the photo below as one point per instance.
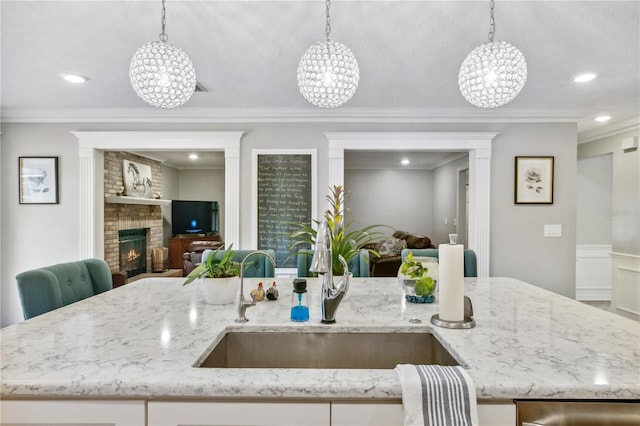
(299, 301)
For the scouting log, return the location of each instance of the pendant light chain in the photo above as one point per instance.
(163, 36)
(327, 28)
(492, 22)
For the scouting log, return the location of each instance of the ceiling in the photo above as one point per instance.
(246, 54)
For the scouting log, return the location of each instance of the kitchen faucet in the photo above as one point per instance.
(242, 304)
(321, 264)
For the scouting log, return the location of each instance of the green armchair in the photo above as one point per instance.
(52, 287)
(260, 267)
(470, 262)
(358, 266)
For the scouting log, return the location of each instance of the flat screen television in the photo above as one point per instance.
(194, 217)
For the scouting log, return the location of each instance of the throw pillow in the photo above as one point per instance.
(391, 246)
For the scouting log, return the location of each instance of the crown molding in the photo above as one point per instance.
(611, 130)
(288, 115)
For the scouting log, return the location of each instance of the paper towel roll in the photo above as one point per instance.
(451, 297)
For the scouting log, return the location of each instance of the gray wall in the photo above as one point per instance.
(625, 207)
(37, 235)
(594, 198)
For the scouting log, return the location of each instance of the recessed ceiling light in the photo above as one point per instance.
(74, 78)
(583, 78)
(405, 162)
(193, 156)
(602, 118)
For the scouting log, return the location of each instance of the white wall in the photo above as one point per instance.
(401, 199)
(203, 185)
(170, 191)
(445, 192)
(518, 246)
(38, 235)
(594, 197)
(625, 208)
(35, 235)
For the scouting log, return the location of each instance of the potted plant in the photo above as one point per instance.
(416, 280)
(344, 241)
(219, 276)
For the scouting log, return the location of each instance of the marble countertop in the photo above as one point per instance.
(143, 339)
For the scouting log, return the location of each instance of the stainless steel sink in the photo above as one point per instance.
(326, 350)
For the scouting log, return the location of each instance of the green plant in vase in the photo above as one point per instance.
(344, 240)
(415, 275)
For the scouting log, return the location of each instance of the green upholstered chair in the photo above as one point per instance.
(470, 262)
(260, 267)
(52, 287)
(358, 266)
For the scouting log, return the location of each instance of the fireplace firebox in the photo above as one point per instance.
(133, 251)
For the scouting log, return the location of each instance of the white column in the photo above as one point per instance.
(480, 205)
(336, 166)
(232, 197)
(91, 218)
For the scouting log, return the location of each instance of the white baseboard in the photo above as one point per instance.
(596, 294)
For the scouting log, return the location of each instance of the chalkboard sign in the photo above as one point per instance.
(285, 191)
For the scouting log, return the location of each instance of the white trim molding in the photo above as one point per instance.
(289, 115)
(477, 144)
(625, 294)
(91, 146)
(593, 272)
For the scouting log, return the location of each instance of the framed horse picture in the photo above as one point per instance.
(137, 179)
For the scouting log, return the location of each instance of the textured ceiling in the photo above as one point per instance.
(246, 53)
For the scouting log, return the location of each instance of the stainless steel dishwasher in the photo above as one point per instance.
(577, 413)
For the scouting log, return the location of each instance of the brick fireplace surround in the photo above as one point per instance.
(129, 216)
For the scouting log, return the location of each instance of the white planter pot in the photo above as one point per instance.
(220, 291)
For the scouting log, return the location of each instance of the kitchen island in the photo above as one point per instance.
(140, 342)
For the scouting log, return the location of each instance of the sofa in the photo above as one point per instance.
(52, 287)
(390, 250)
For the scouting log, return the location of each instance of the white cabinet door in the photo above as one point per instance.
(238, 413)
(380, 414)
(116, 413)
(366, 414)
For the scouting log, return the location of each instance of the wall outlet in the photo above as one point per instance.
(446, 220)
(553, 230)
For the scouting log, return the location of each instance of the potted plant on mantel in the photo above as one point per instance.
(219, 276)
(344, 241)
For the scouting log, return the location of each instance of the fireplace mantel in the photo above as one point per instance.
(137, 200)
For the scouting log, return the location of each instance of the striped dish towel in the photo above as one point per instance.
(436, 395)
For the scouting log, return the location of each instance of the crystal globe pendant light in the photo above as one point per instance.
(328, 72)
(493, 73)
(161, 73)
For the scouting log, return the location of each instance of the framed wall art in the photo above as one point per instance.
(137, 179)
(38, 180)
(534, 180)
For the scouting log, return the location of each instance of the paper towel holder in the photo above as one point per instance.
(466, 323)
